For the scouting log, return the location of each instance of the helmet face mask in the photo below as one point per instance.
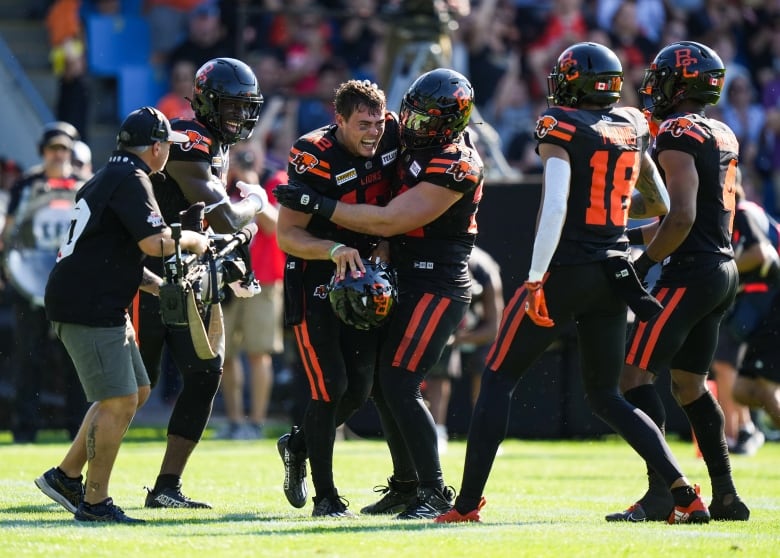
(585, 73)
(364, 302)
(227, 99)
(685, 70)
(435, 109)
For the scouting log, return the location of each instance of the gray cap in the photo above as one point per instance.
(146, 126)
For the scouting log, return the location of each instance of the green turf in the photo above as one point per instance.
(544, 499)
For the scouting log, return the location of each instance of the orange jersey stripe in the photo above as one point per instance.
(658, 326)
(430, 327)
(502, 343)
(311, 364)
(425, 301)
(640, 330)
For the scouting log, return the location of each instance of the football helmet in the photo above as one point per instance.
(227, 99)
(585, 73)
(435, 109)
(682, 70)
(366, 301)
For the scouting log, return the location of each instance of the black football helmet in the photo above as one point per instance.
(435, 109)
(227, 99)
(364, 302)
(585, 73)
(682, 70)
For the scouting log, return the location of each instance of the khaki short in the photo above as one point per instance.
(254, 325)
(107, 359)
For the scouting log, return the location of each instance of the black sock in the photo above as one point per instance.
(297, 442)
(404, 486)
(167, 481)
(683, 496)
(707, 422)
(465, 505)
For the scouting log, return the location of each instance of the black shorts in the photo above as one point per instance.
(696, 292)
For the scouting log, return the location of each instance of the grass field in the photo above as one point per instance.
(544, 499)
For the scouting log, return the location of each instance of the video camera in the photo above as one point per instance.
(203, 276)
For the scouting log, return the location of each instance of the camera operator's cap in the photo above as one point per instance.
(146, 126)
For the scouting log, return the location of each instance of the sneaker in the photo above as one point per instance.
(636, 514)
(67, 492)
(454, 516)
(430, 503)
(748, 443)
(331, 506)
(695, 512)
(735, 511)
(394, 500)
(294, 471)
(171, 498)
(106, 512)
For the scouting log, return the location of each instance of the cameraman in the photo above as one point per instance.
(116, 223)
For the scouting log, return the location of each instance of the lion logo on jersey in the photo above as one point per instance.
(196, 139)
(545, 125)
(304, 161)
(460, 169)
(678, 126)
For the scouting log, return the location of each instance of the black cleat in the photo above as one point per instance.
(104, 512)
(430, 504)
(331, 506)
(393, 500)
(67, 492)
(637, 514)
(171, 498)
(735, 511)
(294, 471)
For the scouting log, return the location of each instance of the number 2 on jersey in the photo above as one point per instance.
(624, 173)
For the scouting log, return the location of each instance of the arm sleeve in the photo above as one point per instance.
(557, 177)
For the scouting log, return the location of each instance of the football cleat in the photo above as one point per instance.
(454, 516)
(393, 500)
(735, 511)
(67, 492)
(430, 503)
(294, 471)
(695, 512)
(171, 498)
(636, 514)
(331, 506)
(104, 512)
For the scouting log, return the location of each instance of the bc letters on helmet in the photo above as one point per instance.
(436, 108)
(366, 301)
(227, 99)
(680, 71)
(585, 73)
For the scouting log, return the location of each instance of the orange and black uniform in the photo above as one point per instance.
(200, 378)
(698, 281)
(434, 294)
(604, 148)
(339, 360)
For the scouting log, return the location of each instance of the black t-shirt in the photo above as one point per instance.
(434, 258)
(99, 265)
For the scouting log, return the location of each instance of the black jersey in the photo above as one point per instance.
(605, 149)
(320, 161)
(435, 256)
(714, 148)
(202, 147)
(99, 265)
(752, 224)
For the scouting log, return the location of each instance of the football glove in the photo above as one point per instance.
(300, 197)
(245, 290)
(255, 192)
(536, 305)
(642, 265)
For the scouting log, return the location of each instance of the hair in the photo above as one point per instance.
(355, 94)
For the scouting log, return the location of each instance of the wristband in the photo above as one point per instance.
(334, 248)
(643, 264)
(635, 236)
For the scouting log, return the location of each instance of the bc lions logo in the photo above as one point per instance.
(545, 125)
(304, 161)
(321, 292)
(459, 170)
(678, 126)
(196, 139)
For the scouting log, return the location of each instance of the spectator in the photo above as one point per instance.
(206, 37)
(254, 325)
(168, 21)
(360, 31)
(176, 102)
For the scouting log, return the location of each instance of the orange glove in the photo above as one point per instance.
(536, 305)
